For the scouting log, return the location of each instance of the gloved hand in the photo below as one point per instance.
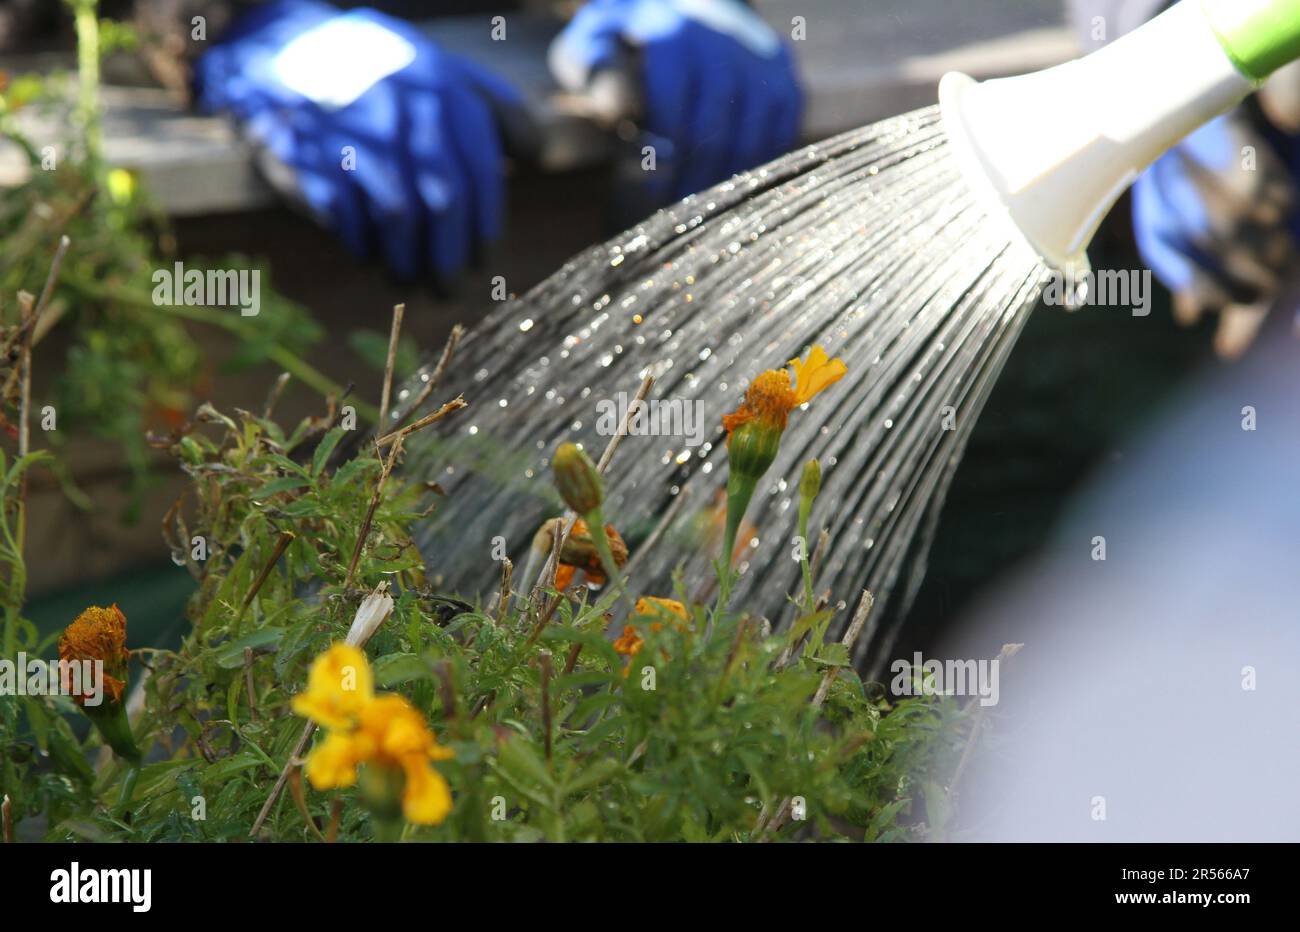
(717, 85)
(1220, 234)
(387, 139)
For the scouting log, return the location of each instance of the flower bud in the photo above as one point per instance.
(810, 483)
(751, 448)
(577, 480)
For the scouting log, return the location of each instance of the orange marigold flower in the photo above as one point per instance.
(99, 634)
(630, 643)
(775, 393)
(663, 608)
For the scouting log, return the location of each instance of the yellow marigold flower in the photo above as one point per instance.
(99, 634)
(383, 731)
(392, 735)
(426, 799)
(630, 643)
(775, 393)
(815, 375)
(398, 730)
(339, 686)
(395, 735)
(333, 762)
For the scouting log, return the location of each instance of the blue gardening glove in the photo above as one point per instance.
(387, 139)
(717, 85)
(1217, 231)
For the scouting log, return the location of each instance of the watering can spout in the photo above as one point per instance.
(1056, 148)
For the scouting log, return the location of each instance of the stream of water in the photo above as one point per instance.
(871, 244)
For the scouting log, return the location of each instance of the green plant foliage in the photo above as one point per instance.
(689, 738)
(132, 364)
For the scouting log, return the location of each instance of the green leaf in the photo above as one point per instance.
(223, 770)
(599, 771)
(400, 668)
(231, 654)
(283, 484)
(522, 765)
(832, 655)
(325, 449)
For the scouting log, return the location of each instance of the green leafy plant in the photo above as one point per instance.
(133, 364)
(695, 724)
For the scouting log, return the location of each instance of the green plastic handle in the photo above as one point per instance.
(1260, 36)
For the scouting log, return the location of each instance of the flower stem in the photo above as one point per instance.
(804, 557)
(596, 525)
(115, 728)
(740, 490)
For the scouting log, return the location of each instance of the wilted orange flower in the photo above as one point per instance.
(630, 643)
(775, 393)
(580, 553)
(99, 634)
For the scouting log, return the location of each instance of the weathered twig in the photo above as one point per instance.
(850, 638)
(273, 396)
(454, 405)
(30, 317)
(503, 600)
(453, 340)
(399, 311)
(370, 512)
(336, 818)
(281, 544)
(7, 820)
(27, 315)
(31, 313)
(300, 800)
(1008, 651)
(295, 760)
